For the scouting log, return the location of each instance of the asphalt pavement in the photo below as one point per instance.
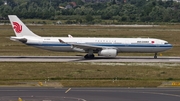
(81, 59)
(89, 94)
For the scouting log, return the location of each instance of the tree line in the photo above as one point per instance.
(116, 10)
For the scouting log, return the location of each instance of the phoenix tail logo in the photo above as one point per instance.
(17, 27)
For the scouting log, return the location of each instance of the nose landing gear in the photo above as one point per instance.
(155, 56)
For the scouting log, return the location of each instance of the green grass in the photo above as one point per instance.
(89, 71)
(91, 74)
(111, 83)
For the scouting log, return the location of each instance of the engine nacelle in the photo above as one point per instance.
(108, 52)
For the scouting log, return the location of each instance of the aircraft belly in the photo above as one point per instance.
(142, 49)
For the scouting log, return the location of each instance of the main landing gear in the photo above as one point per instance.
(155, 56)
(90, 55)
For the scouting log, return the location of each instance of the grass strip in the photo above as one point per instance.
(102, 74)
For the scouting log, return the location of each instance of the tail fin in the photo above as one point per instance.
(20, 28)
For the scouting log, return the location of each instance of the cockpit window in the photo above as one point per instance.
(165, 43)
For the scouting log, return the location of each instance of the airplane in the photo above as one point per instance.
(107, 47)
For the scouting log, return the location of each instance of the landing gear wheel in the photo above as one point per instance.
(155, 56)
(87, 56)
(91, 56)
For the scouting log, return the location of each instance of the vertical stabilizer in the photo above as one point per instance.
(20, 29)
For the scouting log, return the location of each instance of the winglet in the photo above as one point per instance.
(70, 36)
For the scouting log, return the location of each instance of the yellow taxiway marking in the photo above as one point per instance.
(175, 84)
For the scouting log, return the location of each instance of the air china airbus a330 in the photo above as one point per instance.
(108, 47)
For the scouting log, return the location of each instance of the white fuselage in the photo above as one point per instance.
(141, 45)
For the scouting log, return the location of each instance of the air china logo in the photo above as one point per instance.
(17, 27)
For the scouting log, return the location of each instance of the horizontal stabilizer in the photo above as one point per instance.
(21, 39)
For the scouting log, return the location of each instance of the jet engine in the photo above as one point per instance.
(108, 52)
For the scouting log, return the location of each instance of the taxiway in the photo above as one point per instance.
(89, 94)
(81, 59)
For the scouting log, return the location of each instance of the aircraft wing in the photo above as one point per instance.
(85, 47)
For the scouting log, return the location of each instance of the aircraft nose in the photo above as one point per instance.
(170, 46)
